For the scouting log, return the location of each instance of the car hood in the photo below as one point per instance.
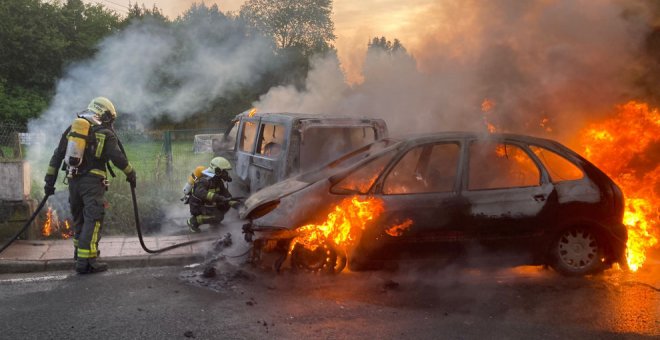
(272, 193)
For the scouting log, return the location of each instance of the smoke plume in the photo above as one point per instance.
(562, 61)
(152, 70)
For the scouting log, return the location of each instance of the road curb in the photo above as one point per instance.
(31, 266)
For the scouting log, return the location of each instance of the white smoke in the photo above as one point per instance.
(152, 70)
(563, 60)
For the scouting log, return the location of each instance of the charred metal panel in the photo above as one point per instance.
(583, 190)
(294, 211)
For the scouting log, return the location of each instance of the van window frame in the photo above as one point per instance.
(239, 139)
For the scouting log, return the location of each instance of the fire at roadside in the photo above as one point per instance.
(55, 227)
(626, 147)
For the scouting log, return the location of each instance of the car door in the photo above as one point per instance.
(422, 207)
(246, 143)
(270, 148)
(507, 193)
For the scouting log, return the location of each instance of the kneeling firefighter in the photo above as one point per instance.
(210, 198)
(86, 147)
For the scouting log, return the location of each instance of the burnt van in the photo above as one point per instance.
(265, 148)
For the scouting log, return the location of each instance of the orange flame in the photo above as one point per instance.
(627, 148)
(53, 224)
(66, 231)
(486, 107)
(399, 229)
(343, 224)
(47, 229)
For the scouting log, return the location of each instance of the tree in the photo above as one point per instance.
(302, 24)
(38, 40)
(142, 13)
(384, 45)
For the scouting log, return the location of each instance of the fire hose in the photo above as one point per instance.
(34, 215)
(139, 231)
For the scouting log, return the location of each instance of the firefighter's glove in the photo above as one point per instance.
(49, 187)
(131, 178)
(235, 204)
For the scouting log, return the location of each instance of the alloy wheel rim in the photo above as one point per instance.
(577, 248)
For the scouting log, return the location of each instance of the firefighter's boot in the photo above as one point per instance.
(89, 266)
(193, 225)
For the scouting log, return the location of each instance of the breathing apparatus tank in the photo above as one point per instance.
(197, 173)
(75, 148)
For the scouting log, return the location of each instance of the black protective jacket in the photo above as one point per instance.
(102, 146)
(209, 191)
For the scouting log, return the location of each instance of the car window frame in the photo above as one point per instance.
(567, 157)
(543, 175)
(243, 123)
(259, 141)
(337, 178)
(380, 183)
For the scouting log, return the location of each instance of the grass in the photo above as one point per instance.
(157, 190)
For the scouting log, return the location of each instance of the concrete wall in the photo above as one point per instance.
(15, 181)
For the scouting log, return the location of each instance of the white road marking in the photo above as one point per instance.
(36, 279)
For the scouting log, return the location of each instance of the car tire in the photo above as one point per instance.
(578, 251)
(324, 259)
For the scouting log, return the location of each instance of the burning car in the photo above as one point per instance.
(440, 192)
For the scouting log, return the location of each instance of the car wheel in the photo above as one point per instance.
(323, 259)
(578, 251)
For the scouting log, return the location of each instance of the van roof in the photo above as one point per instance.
(300, 116)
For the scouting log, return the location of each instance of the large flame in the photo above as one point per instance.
(345, 223)
(627, 148)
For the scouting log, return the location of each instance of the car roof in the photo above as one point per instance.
(454, 135)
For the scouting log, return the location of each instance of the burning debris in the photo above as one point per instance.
(53, 227)
(627, 147)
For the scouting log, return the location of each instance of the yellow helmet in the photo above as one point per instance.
(220, 163)
(103, 107)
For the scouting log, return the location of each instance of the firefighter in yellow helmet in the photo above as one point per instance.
(86, 148)
(210, 198)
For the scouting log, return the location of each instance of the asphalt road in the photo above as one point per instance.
(242, 302)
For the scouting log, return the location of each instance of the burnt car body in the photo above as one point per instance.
(499, 192)
(267, 147)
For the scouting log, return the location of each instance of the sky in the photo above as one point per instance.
(356, 22)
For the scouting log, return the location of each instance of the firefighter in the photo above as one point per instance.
(86, 147)
(210, 198)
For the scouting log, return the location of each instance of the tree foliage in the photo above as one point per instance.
(384, 45)
(40, 39)
(302, 24)
(138, 12)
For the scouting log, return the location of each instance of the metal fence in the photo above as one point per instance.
(163, 161)
(10, 140)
